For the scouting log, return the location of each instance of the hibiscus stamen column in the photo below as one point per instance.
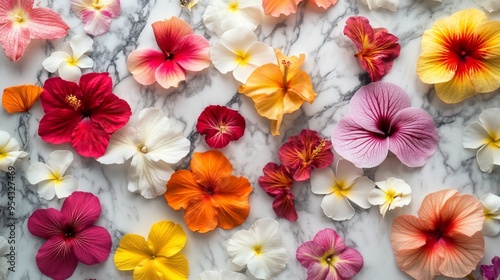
(286, 66)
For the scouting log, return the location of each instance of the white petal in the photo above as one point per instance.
(214, 14)
(490, 121)
(267, 233)
(4, 266)
(4, 246)
(55, 60)
(70, 72)
(59, 161)
(489, 5)
(4, 140)
(238, 40)
(491, 227)
(147, 177)
(384, 207)
(359, 190)
(260, 54)
(240, 247)
(10, 158)
(402, 201)
(491, 203)
(9, 151)
(66, 186)
(170, 148)
(398, 185)
(475, 136)
(122, 146)
(322, 181)
(46, 189)
(377, 197)
(337, 207)
(484, 157)
(347, 172)
(85, 62)
(243, 71)
(248, 17)
(385, 4)
(38, 172)
(81, 44)
(268, 264)
(223, 59)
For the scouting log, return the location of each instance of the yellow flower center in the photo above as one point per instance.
(286, 66)
(19, 16)
(223, 129)
(242, 58)
(97, 5)
(391, 195)
(233, 6)
(329, 258)
(340, 188)
(257, 249)
(73, 101)
(143, 150)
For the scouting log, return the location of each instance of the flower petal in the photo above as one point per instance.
(284, 206)
(143, 63)
(489, 120)
(56, 259)
(192, 53)
(85, 62)
(39, 172)
(182, 189)
(47, 189)
(170, 74)
(66, 187)
(20, 98)
(461, 259)
(220, 125)
(69, 72)
(258, 54)
(44, 23)
(148, 177)
(55, 60)
(223, 58)
(231, 197)
(112, 114)
(14, 40)
(169, 33)
(166, 238)
(92, 245)
(487, 156)
(55, 92)
(325, 4)
(57, 126)
(81, 209)
(358, 192)
(175, 267)
(89, 139)
(465, 212)
(59, 161)
(46, 223)
(323, 181)
(276, 8)
(132, 250)
(95, 23)
(475, 136)
(347, 172)
(269, 265)
(276, 179)
(349, 264)
(95, 88)
(240, 247)
(122, 146)
(491, 227)
(431, 206)
(81, 44)
(210, 167)
(201, 215)
(491, 204)
(337, 207)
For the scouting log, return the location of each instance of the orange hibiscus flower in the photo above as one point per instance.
(209, 193)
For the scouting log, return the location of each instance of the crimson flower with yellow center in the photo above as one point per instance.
(460, 56)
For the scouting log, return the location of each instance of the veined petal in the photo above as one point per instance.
(44, 23)
(407, 234)
(337, 207)
(55, 91)
(276, 179)
(57, 126)
(460, 87)
(231, 197)
(325, 4)
(430, 209)
(240, 247)
(284, 206)
(148, 177)
(122, 146)
(14, 40)
(175, 267)
(432, 70)
(220, 125)
(182, 189)
(210, 167)
(112, 114)
(95, 23)
(166, 238)
(192, 53)
(475, 136)
(65, 187)
(349, 263)
(46, 223)
(323, 181)
(92, 245)
(81, 44)
(55, 258)
(462, 258)
(81, 210)
(88, 139)
(201, 214)
(20, 98)
(132, 250)
(300, 84)
(465, 213)
(170, 74)
(55, 60)
(143, 63)
(169, 33)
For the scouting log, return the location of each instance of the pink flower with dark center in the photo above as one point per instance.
(277, 182)
(220, 125)
(71, 236)
(20, 22)
(327, 257)
(381, 120)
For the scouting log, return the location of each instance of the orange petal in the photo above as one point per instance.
(270, 105)
(232, 201)
(464, 213)
(182, 189)
(324, 3)
(407, 233)
(301, 85)
(462, 255)
(276, 125)
(201, 215)
(209, 167)
(295, 62)
(430, 211)
(277, 7)
(20, 98)
(266, 79)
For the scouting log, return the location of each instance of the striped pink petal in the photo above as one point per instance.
(14, 40)
(92, 245)
(143, 64)
(170, 74)
(193, 53)
(56, 259)
(46, 24)
(81, 210)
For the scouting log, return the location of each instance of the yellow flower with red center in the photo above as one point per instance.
(460, 55)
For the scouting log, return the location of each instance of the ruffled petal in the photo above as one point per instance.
(465, 213)
(430, 209)
(182, 189)
(81, 210)
(276, 179)
(143, 63)
(122, 146)
(277, 8)
(210, 167)
(44, 23)
(132, 250)
(220, 125)
(201, 215)
(55, 258)
(46, 223)
(175, 267)
(337, 207)
(166, 238)
(325, 4)
(89, 139)
(95, 23)
(92, 245)
(231, 197)
(148, 177)
(112, 114)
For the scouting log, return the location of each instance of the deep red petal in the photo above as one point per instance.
(44, 23)
(81, 210)
(56, 259)
(55, 91)
(358, 29)
(168, 33)
(46, 223)
(112, 114)
(220, 125)
(57, 126)
(89, 139)
(95, 87)
(92, 245)
(284, 206)
(276, 179)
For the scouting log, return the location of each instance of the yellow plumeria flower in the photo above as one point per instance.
(158, 258)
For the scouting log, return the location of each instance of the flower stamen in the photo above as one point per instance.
(73, 101)
(233, 6)
(286, 66)
(97, 5)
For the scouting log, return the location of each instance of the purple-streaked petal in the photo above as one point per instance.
(92, 245)
(46, 223)
(81, 209)
(56, 259)
(328, 239)
(309, 253)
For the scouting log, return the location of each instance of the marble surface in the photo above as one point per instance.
(336, 76)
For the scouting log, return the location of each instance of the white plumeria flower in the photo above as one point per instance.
(489, 5)
(239, 51)
(71, 57)
(346, 184)
(485, 135)
(223, 15)
(4, 250)
(390, 194)
(50, 177)
(9, 151)
(491, 204)
(222, 275)
(259, 249)
(384, 4)
(154, 143)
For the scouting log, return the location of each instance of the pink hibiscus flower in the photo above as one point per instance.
(181, 51)
(84, 114)
(327, 257)
(277, 182)
(220, 125)
(96, 14)
(71, 235)
(20, 22)
(380, 120)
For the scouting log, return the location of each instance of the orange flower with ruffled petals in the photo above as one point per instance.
(211, 196)
(460, 55)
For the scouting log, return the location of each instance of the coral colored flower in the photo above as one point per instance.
(9, 151)
(84, 114)
(325, 4)
(158, 258)
(209, 193)
(50, 177)
(459, 55)
(346, 185)
(485, 136)
(491, 272)
(181, 51)
(377, 48)
(4, 251)
(279, 89)
(276, 8)
(489, 5)
(71, 236)
(304, 152)
(70, 58)
(390, 194)
(20, 22)
(154, 143)
(444, 239)
(491, 209)
(96, 14)
(328, 257)
(20, 98)
(223, 15)
(239, 51)
(222, 275)
(380, 120)
(259, 248)
(220, 125)
(277, 182)
(385, 4)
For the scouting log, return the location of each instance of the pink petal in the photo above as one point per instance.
(415, 137)
(54, 94)
(57, 126)
(112, 114)
(350, 262)
(169, 33)
(96, 23)
(89, 139)
(192, 53)
(46, 223)
(14, 40)
(81, 209)
(319, 271)
(95, 87)
(374, 106)
(44, 23)
(55, 258)
(143, 64)
(328, 239)
(169, 74)
(92, 245)
(363, 148)
(284, 206)
(8, 5)
(309, 253)
(359, 30)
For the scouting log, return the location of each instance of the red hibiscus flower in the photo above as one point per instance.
(277, 182)
(303, 152)
(84, 114)
(220, 125)
(71, 235)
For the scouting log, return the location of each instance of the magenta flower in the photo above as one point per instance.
(96, 14)
(491, 272)
(277, 182)
(220, 125)
(381, 120)
(71, 235)
(327, 257)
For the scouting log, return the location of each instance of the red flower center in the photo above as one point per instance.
(169, 56)
(465, 52)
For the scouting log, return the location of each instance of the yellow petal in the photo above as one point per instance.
(469, 20)
(275, 126)
(488, 32)
(20, 98)
(132, 250)
(266, 79)
(487, 77)
(270, 105)
(166, 238)
(295, 62)
(301, 85)
(433, 69)
(160, 268)
(456, 90)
